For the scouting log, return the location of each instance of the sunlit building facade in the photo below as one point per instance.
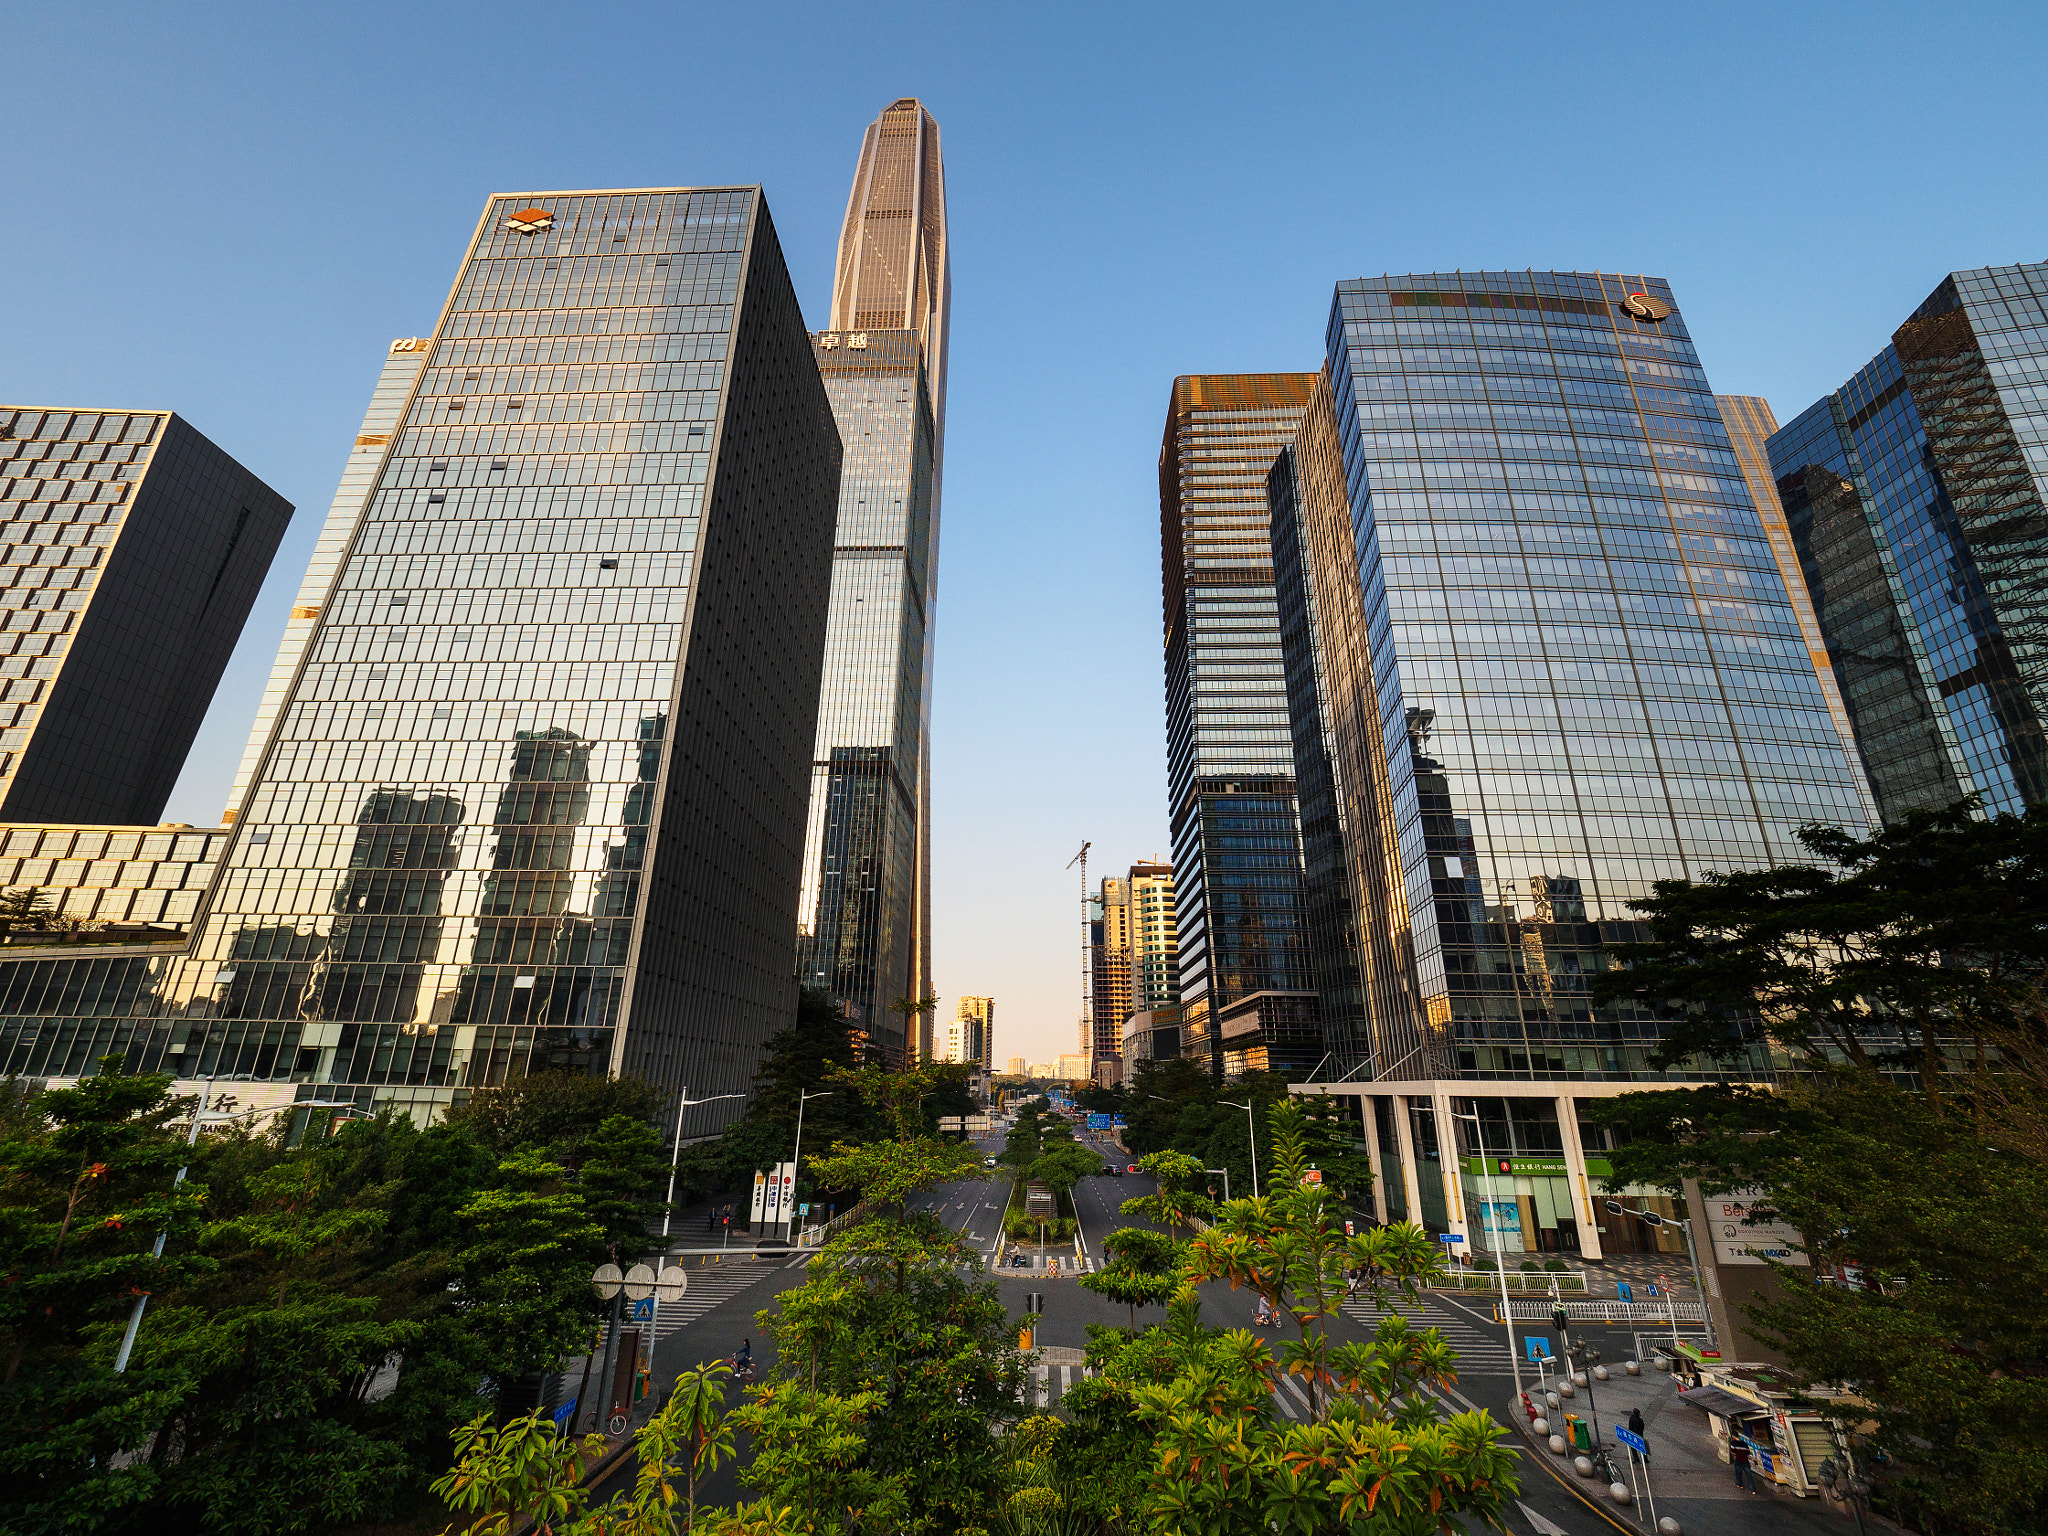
(1230, 766)
(131, 550)
(533, 793)
(1540, 656)
(864, 927)
(971, 1037)
(1917, 495)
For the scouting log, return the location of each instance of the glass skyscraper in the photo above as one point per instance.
(1247, 999)
(864, 925)
(1539, 656)
(1917, 495)
(532, 795)
(133, 548)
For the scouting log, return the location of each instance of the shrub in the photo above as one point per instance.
(1556, 1266)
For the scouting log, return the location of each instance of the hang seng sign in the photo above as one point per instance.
(1312, 1178)
(1737, 1240)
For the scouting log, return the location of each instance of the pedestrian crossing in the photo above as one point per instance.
(1470, 1339)
(710, 1285)
(1049, 1384)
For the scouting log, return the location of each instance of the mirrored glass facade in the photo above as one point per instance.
(1230, 766)
(533, 796)
(865, 912)
(1917, 495)
(133, 548)
(1540, 656)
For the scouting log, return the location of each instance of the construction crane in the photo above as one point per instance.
(1087, 963)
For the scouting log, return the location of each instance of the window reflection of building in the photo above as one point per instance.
(535, 991)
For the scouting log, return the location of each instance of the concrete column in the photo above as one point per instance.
(1366, 1101)
(1575, 1178)
(1452, 1167)
(1404, 1139)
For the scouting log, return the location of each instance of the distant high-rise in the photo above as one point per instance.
(532, 795)
(1019, 1067)
(1155, 937)
(972, 1036)
(1247, 998)
(864, 926)
(1110, 1002)
(1917, 495)
(1540, 656)
(135, 548)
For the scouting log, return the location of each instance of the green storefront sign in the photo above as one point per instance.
(1542, 1166)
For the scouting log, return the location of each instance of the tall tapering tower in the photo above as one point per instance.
(864, 931)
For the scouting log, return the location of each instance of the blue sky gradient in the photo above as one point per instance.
(230, 210)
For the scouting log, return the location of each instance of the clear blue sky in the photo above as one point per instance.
(230, 210)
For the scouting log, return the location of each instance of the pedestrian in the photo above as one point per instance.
(1738, 1458)
(1635, 1427)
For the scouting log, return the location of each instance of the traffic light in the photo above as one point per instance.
(1560, 1319)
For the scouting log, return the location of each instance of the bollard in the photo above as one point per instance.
(1557, 1446)
(1632, 1367)
(1583, 1465)
(1619, 1492)
(1564, 1389)
(1669, 1526)
(1600, 1373)
(1541, 1427)
(1578, 1378)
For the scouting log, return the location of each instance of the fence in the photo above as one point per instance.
(1522, 1282)
(1648, 1313)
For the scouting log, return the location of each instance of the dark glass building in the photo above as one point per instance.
(864, 919)
(1539, 656)
(1915, 495)
(134, 549)
(1246, 991)
(534, 795)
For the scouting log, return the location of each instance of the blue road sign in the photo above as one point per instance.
(1450, 1237)
(1116, 1122)
(643, 1310)
(1098, 1122)
(1627, 1292)
(1633, 1441)
(566, 1413)
(1539, 1347)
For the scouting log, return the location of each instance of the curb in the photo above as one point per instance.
(1540, 1453)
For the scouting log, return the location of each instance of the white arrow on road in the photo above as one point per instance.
(1542, 1526)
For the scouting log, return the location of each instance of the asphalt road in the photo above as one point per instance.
(973, 1207)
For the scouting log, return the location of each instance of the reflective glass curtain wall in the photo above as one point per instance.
(1564, 665)
(1230, 769)
(1918, 497)
(866, 905)
(534, 797)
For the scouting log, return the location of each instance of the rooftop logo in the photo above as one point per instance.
(1643, 307)
(530, 221)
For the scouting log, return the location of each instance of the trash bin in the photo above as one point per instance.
(1581, 1439)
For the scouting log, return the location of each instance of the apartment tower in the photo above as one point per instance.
(864, 926)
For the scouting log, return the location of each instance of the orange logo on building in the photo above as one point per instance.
(531, 221)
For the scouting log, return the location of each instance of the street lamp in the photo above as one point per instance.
(1500, 1266)
(797, 1160)
(1659, 1219)
(1252, 1127)
(676, 1152)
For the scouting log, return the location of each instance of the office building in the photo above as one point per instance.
(864, 921)
(135, 548)
(971, 1036)
(1110, 957)
(1073, 1069)
(1540, 655)
(1915, 495)
(534, 795)
(1247, 998)
(1019, 1067)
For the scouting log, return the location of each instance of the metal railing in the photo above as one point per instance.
(1527, 1282)
(1607, 1311)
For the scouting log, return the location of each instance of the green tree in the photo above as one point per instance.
(554, 1111)
(621, 1183)
(1177, 1203)
(1143, 1270)
(690, 1438)
(522, 1468)
(1941, 1332)
(529, 1248)
(1064, 1166)
(86, 1186)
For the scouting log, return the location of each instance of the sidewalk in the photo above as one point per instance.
(1687, 1476)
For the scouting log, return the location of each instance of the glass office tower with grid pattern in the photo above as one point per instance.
(534, 794)
(1247, 999)
(1539, 656)
(1917, 494)
(864, 924)
(133, 549)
